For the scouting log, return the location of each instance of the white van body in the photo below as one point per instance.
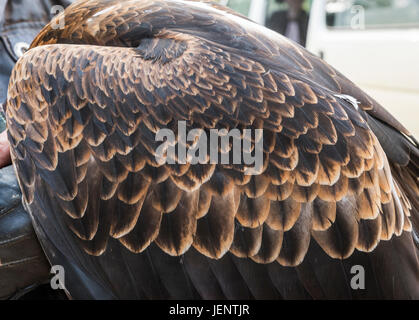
(383, 59)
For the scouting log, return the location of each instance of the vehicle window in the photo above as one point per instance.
(274, 6)
(281, 5)
(241, 6)
(363, 14)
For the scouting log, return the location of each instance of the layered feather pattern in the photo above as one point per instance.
(86, 102)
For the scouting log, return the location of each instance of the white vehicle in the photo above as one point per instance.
(375, 43)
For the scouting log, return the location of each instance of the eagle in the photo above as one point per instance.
(337, 190)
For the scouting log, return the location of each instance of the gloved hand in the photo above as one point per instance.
(4, 150)
(22, 261)
(4, 143)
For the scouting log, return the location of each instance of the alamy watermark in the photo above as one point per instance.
(195, 147)
(358, 17)
(58, 21)
(358, 280)
(58, 280)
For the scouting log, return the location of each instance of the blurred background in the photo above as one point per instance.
(375, 43)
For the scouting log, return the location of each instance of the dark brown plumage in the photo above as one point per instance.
(83, 108)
